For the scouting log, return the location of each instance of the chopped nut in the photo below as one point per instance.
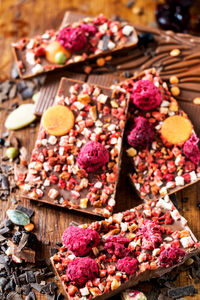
(196, 100)
(84, 98)
(115, 284)
(114, 104)
(83, 203)
(93, 112)
(175, 91)
(175, 52)
(173, 80)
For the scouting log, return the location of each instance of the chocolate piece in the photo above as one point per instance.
(102, 114)
(188, 290)
(160, 168)
(30, 53)
(131, 230)
(50, 88)
(28, 211)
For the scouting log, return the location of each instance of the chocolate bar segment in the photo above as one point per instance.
(136, 245)
(60, 172)
(76, 42)
(162, 163)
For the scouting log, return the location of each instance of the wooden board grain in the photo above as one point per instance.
(29, 17)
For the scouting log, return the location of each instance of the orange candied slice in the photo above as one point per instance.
(52, 49)
(176, 129)
(58, 120)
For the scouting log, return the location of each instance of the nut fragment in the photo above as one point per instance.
(196, 100)
(175, 91)
(175, 52)
(173, 80)
(93, 112)
(84, 98)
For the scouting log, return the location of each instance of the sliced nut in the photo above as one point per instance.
(84, 98)
(93, 112)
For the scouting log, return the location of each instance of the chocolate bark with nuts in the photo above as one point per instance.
(95, 36)
(161, 167)
(131, 229)
(54, 175)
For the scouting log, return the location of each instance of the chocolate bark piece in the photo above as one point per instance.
(102, 118)
(50, 88)
(148, 175)
(30, 53)
(163, 217)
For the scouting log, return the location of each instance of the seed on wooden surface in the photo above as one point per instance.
(173, 79)
(175, 91)
(17, 217)
(175, 52)
(29, 227)
(196, 100)
(100, 62)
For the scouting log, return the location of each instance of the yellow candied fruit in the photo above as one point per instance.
(131, 152)
(83, 203)
(84, 98)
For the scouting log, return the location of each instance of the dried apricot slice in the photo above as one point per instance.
(52, 49)
(58, 120)
(176, 129)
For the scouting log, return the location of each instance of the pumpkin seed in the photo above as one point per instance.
(17, 217)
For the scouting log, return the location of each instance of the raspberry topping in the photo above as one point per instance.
(150, 234)
(80, 241)
(141, 134)
(127, 265)
(191, 150)
(73, 39)
(146, 95)
(92, 156)
(171, 256)
(82, 269)
(115, 244)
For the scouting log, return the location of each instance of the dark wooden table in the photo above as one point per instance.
(20, 18)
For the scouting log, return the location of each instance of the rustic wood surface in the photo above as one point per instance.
(20, 18)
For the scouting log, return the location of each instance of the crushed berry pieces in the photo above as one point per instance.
(191, 150)
(80, 241)
(142, 133)
(116, 244)
(92, 156)
(171, 256)
(82, 269)
(145, 95)
(127, 265)
(151, 235)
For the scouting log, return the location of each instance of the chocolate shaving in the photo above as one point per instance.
(23, 242)
(188, 290)
(29, 212)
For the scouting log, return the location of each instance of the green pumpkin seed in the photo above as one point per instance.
(18, 217)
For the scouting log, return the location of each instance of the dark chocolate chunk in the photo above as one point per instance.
(13, 91)
(106, 39)
(38, 287)
(188, 290)
(17, 237)
(21, 86)
(4, 182)
(15, 105)
(145, 38)
(59, 244)
(49, 288)
(3, 282)
(14, 72)
(130, 3)
(60, 296)
(26, 288)
(27, 93)
(4, 230)
(30, 277)
(28, 211)
(174, 199)
(31, 296)
(53, 251)
(2, 141)
(14, 296)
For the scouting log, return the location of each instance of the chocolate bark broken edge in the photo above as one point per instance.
(173, 190)
(132, 282)
(89, 210)
(19, 57)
